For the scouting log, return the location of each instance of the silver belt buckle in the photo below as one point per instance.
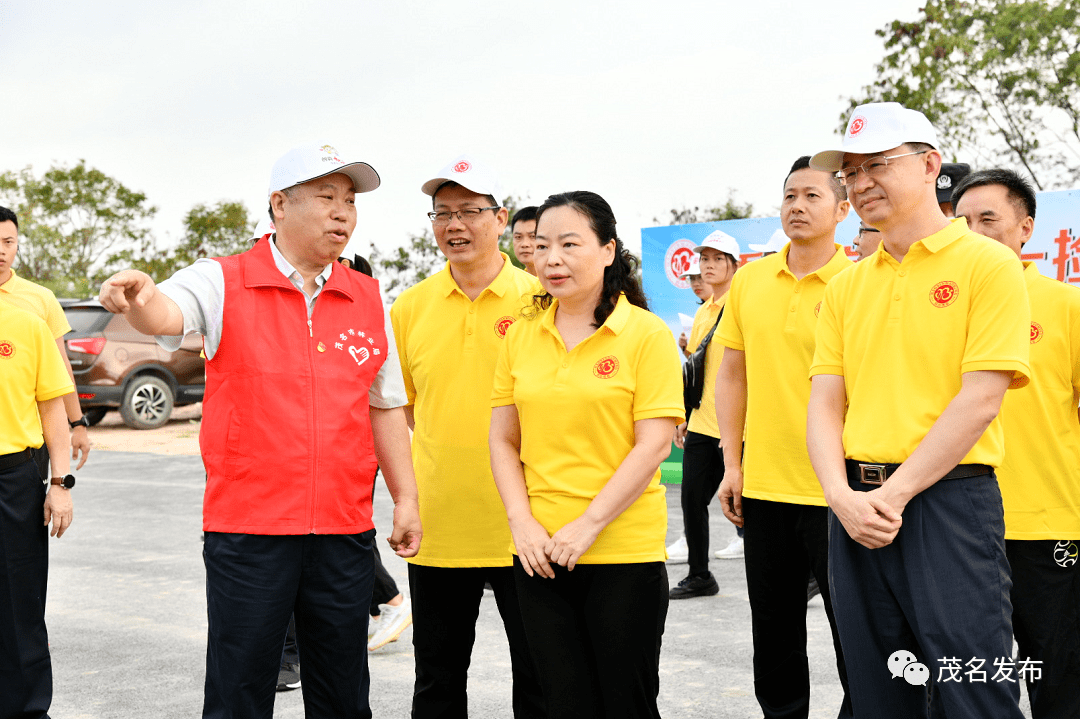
(872, 474)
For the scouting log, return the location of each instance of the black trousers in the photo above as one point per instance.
(783, 544)
(445, 605)
(25, 665)
(595, 635)
(253, 583)
(703, 471)
(941, 592)
(1046, 621)
(385, 587)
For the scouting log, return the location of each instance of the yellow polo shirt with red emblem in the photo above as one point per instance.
(577, 411)
(902, 335)
(448, 346)
(37, 300)
(703, 419)
(772, 317)
(31, 371)
(1040, 477)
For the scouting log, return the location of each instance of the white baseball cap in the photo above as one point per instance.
(470, 174)
(264, 228)
(694, 269)
(775, 243)
(308, 162)
(874, 128)
(722, 241)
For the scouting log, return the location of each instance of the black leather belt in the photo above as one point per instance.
(7, 461)
(878, 472)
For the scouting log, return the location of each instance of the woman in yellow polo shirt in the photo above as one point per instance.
(587, 394)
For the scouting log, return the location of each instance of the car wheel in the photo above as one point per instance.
(95, 414)
(148, 402)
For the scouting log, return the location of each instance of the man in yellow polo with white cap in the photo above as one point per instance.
(916, 347)
(449, 329)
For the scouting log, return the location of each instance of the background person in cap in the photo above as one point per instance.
(699, 436)
(449, 329)
(703, 292)
(776, 243)
(768, 334)
(1040, 476)
(585, 400)
(949, 177)
(919, 343)
(40, 301)
(523, 235)
(32, 389)
(287, 514)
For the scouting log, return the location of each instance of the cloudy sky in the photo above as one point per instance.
(651, 104)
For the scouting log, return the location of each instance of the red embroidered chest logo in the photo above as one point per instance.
(817, 309)
(7, 350)
(606, 367)
(1036, 332)
(502, 325)
(944, 294)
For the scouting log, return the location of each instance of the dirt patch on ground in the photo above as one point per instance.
(179, 436)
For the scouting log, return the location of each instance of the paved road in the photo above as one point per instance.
(127, 614)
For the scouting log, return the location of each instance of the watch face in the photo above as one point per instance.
(69, 481)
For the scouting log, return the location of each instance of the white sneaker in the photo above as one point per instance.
(678, 553)
(731, 551)
(372, 626)
(392, 622)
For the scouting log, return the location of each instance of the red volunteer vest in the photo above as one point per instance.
(286, 436)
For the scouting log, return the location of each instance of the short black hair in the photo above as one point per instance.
(524, 214)
(451, 183)
(1019, 190)
(7, 215)
(803, 163)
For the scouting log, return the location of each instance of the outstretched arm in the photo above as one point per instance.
(134, 294)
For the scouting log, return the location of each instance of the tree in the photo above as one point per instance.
(218, 231)
(71, 220)
(999, 79)
(732, 209)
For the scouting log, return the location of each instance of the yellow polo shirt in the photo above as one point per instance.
(772, 317)
(31, 371)
(703, 419)
(448, 346)
(577, 411)
(37, 300)
(902, 334)
(1040, 477)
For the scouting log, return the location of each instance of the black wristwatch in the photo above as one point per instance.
(67, 481)
(80, 422)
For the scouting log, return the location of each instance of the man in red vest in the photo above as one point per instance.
(303, 401)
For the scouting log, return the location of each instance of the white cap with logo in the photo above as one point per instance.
(470, 174)
(264, 228)
(722, 241)
(309, 162)
(693, 269)
(775, 243)
(874, 128)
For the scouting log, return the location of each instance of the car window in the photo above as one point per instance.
(84, 320)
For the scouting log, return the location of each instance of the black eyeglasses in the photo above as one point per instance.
(468, 215)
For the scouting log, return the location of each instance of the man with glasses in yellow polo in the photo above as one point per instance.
(916, 347)
(449, 329)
